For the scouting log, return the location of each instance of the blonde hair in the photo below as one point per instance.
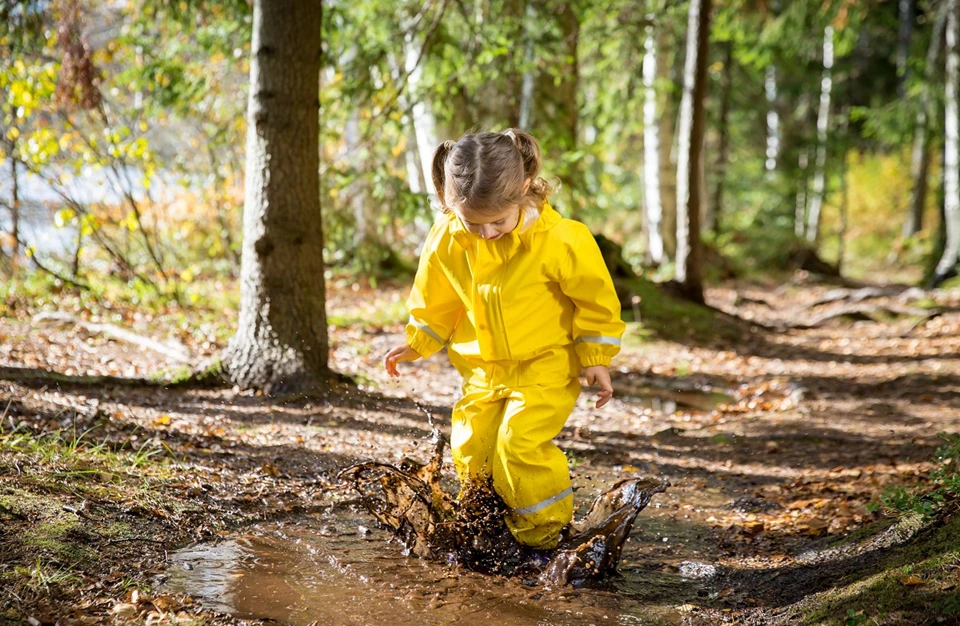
(486, 172)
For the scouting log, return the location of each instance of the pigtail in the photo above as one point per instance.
(532, 162)
(438, 170)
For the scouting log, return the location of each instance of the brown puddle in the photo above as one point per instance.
(338, 569)
(329, 570)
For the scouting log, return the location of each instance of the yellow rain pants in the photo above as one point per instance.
(520, 317)
(506, 433)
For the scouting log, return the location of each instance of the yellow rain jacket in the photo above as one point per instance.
(521, 315)
(541, 294)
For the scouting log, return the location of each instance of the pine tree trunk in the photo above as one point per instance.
(692, 113)
(653, 207)
(712, 223)
(951, 166)
(281, 343)
(920, 158)
(823, 122)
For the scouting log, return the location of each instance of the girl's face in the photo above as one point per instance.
(490, 226)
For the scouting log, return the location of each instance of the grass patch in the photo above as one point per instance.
(386, 313)
(918, 587)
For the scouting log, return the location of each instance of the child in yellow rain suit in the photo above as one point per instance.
(523, 301)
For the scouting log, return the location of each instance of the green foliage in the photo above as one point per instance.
(173, 77)
(942, 493)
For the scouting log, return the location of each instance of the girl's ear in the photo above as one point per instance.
(526, 186)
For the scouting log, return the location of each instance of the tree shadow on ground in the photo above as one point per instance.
(843, 566)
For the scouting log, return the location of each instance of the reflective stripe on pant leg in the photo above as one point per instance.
(529, 471)
(473, 433)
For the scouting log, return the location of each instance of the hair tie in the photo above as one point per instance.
(509, 133)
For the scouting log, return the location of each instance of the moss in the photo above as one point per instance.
(209, 374)
(670, 317)
(951, 283)
(60, 538)
(917, 585)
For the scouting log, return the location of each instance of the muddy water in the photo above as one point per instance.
(325, 570)
(669, 401)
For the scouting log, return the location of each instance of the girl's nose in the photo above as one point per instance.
(488, 232)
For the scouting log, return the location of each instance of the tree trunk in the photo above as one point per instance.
(823, 121)
(14, 212)
(951, 165)
(281, 342)
(800, 212)
(773, 120)
(528, 82)
(689, 191)
(568, 113)
(652, 205)
(712, 222)
(903, 44)
(411, 153)
(920, 160)
(367, 244)
(424, 123)
(667, 106)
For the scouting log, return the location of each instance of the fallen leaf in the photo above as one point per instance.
(912, 580)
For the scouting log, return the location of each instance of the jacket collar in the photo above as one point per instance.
(547, 220)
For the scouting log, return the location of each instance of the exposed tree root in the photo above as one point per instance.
(180, 355)
(32, 374)
(864, 312)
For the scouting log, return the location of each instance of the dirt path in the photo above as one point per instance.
(819, 422)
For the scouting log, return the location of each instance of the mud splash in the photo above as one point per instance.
(410, 501)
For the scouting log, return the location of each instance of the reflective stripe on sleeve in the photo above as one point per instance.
(427, 329)
(610, 341)
(539, 506)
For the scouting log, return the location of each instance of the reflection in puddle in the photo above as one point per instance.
(669, 401)
(331, 574)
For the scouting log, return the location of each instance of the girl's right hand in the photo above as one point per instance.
(400, 353)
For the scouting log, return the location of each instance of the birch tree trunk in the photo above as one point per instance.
(652, 205)
(920, 158)
(411, 152)
(773, 121)
(823, 122)
(281, 342)
(368, 245)
(951, 162)
(424, 123)
(689, 270)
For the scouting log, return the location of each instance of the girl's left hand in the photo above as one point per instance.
(600, 375)
(398, 354)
